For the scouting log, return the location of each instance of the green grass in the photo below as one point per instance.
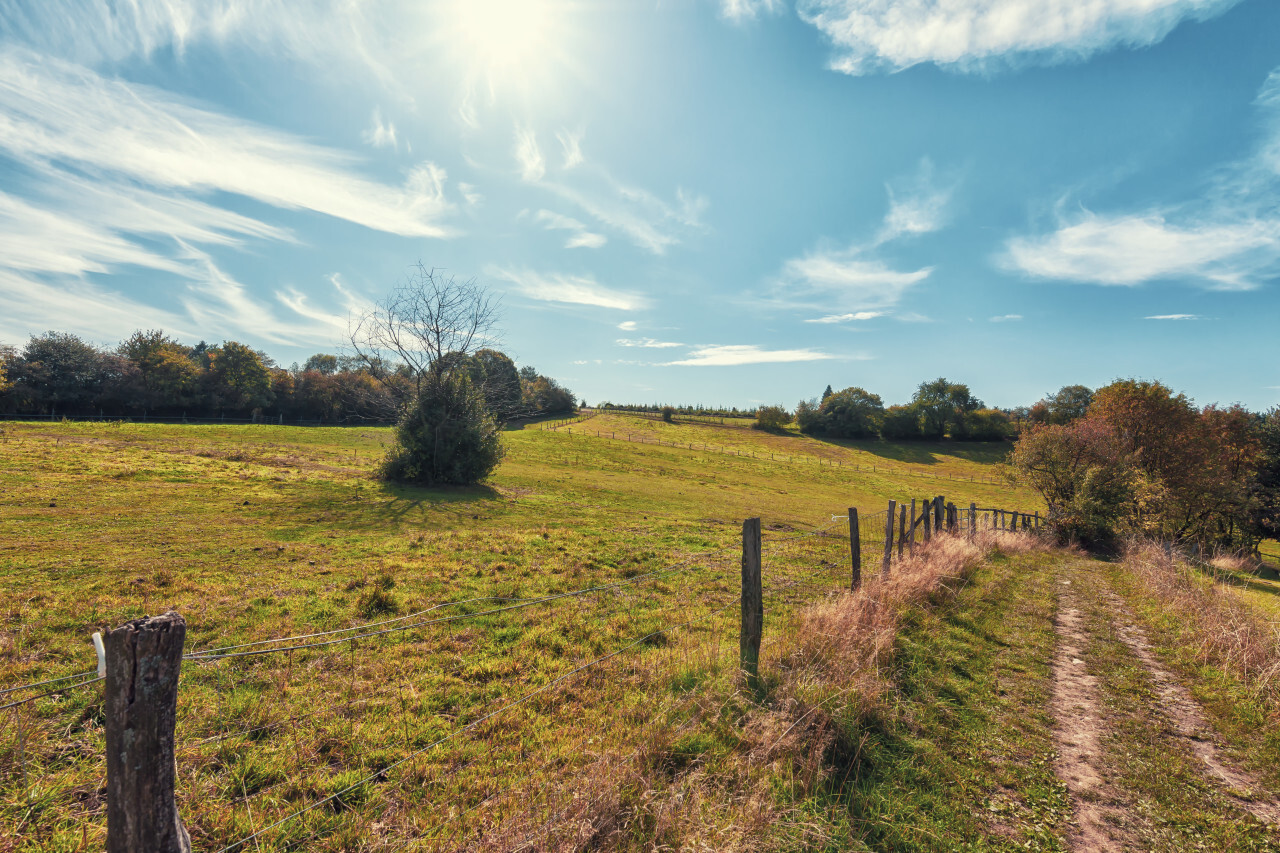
(260, 532)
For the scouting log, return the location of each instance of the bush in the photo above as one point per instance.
(985, 425)
(901, 423)
(446, 437)
(771, 418)
(668, 414)
(1085, 474)
(851, 413)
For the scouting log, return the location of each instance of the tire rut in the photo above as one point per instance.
(1187, 721)
(1078, 730)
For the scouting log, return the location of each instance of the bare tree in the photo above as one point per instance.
(428, 325)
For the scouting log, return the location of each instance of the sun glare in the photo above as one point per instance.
(508, 36)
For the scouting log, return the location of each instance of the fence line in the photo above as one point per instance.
(772, 456)
(789, 548)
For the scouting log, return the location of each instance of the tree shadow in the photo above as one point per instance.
(926, 452)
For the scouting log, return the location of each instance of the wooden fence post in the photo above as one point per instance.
(926, 518)
(911, 531)
(937, 514)
(855, 549)
(973, 519)
(952, 519)
(752, 603)
(888, 539)
(902, 528)
(144, 658)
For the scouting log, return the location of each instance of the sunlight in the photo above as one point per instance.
(508, 37)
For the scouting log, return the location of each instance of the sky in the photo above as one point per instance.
(717, 202)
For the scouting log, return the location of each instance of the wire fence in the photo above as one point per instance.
(483, 723)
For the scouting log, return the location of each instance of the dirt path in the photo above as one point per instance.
(1187, 721)
(1078, 731)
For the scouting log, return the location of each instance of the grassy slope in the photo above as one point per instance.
(256, 532)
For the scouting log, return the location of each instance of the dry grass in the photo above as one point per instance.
(1219, 629)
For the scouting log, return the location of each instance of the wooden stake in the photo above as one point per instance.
(144, 658)
(752, 603)
(855, 549)
(888, 540)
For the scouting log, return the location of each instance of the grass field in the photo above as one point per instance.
(255, 533)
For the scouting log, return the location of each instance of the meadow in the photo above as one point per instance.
(261, 532)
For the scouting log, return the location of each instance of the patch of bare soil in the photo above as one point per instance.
(1187, 722)
(1078, 729)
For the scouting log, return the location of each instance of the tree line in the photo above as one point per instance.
(151, 373)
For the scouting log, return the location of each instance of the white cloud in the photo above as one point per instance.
(470, 194)
(646, 220)
(380, 134)
(56, 116)
(844, 279)
(1129, 250)
(746, 10)
(627, 325)
(975, 35)
(916, 205)
(1006, 318)
(732, 355)
(571, 146)
(1174, 317)
(647, 343)
(847, 318)
(532, 167)
(580, 236)
(559, 287)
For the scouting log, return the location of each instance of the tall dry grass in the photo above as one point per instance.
(1218, 628)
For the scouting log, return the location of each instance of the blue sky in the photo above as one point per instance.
(719, 201)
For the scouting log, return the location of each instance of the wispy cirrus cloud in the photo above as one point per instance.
(647, 343)
(579, 237)
(54, 114)
(1174, 317)
(533, 167)
(627, 325)
(856, 278)
(746, 10)
(740, 354)
(571, 148)
(871, 36)
(855, 316)
(380, 134)
(570, 289)
(1006, 318)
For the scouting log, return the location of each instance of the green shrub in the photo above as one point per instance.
(668, 414)
(446, 437)
(772, 418)
(901, 423)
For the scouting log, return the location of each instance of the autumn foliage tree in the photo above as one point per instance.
(1187, 473)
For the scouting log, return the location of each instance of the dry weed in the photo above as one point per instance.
(1226, 632)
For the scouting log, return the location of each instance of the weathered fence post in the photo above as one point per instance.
(752, 603)
(144, 658)
(911, 532)
(925, 518)
(902, 528)
(937, 514)
(1013, 522)
(973, 519)
(953, 520)
(888, 539)
(855, 549)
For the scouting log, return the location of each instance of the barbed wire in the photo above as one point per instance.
(473, 724)
(526, 603)
(52, 692)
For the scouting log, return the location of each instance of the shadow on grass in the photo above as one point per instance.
(927, 452)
